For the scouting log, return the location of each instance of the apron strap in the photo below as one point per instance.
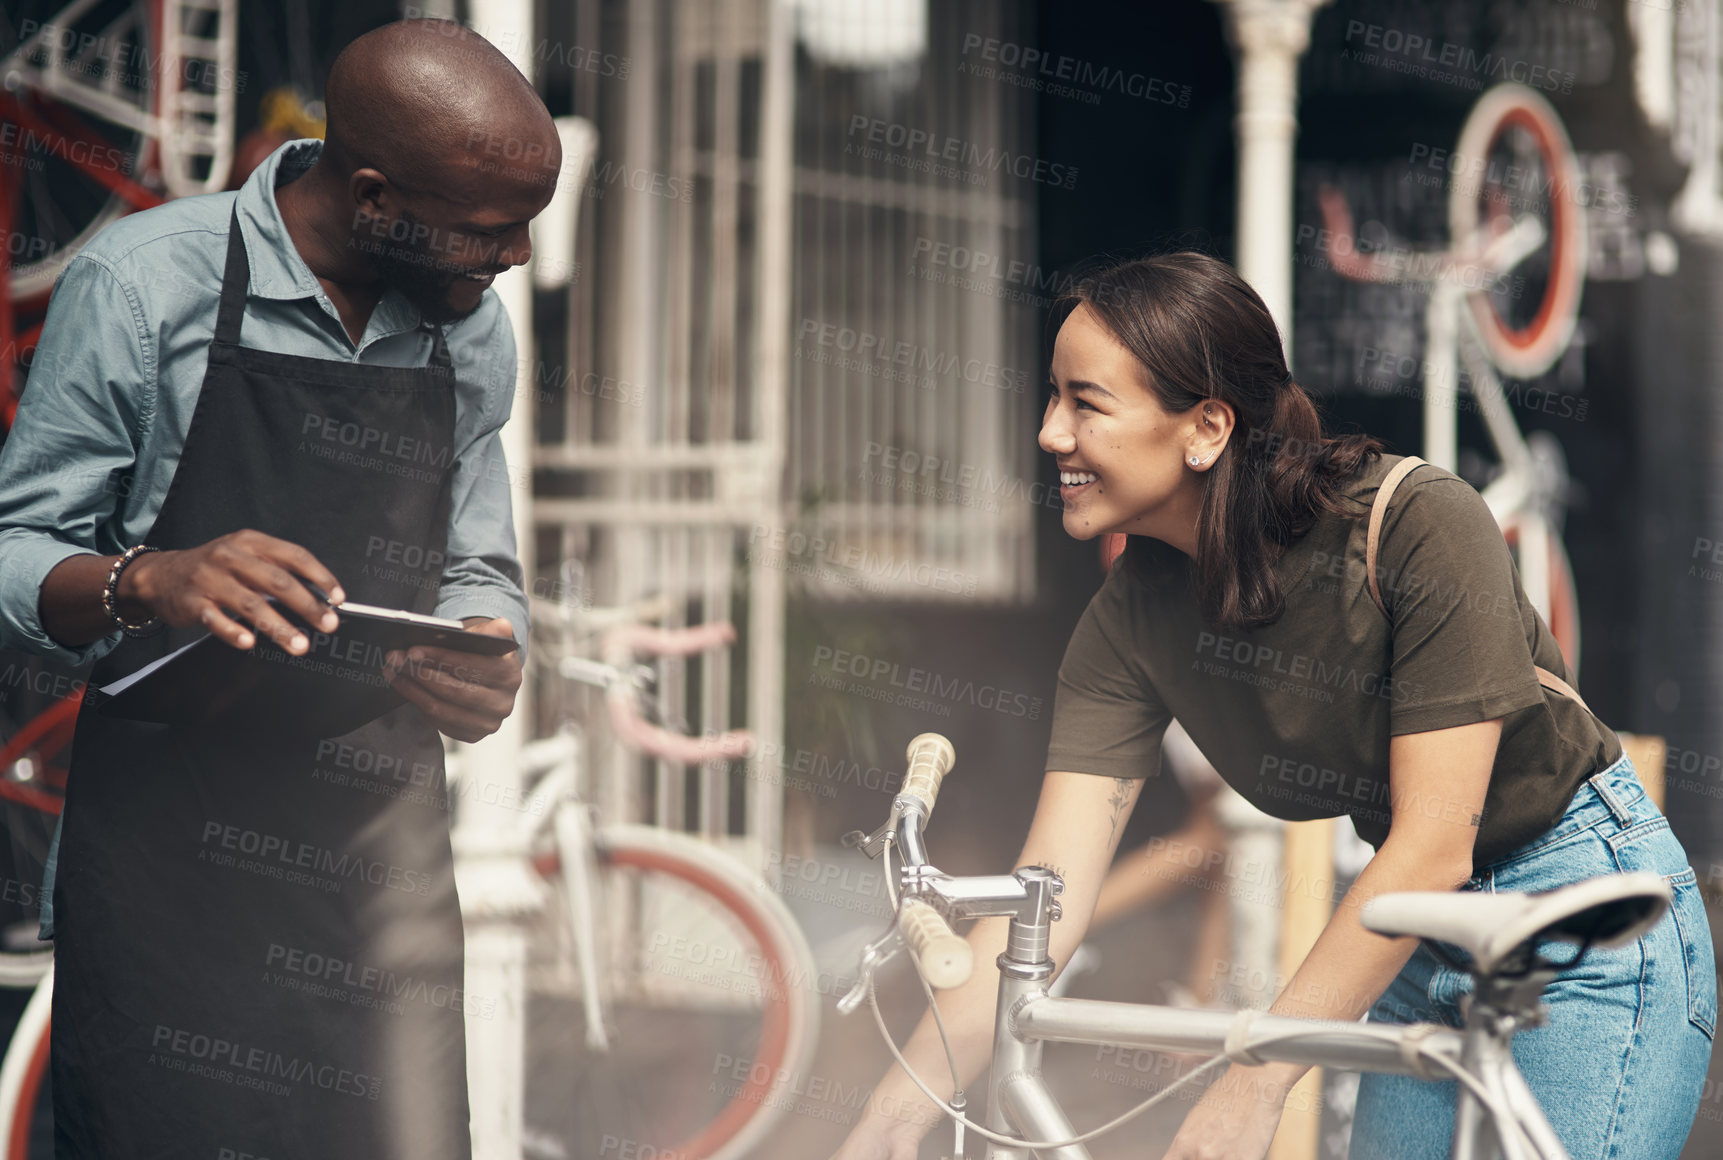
(235, 285)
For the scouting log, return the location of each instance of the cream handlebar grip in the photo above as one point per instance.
(945, 959)
(930, 759)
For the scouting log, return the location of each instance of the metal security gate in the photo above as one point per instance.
(707, 433)
(660, 427)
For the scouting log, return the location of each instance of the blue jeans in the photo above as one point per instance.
(1620, 1066)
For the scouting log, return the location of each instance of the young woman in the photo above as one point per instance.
(1241, 607)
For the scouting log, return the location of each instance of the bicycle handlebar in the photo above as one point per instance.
(945, 959)
(624, 640)
(930, 759)
(620, 644)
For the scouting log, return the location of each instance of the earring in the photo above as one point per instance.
(1195, 462)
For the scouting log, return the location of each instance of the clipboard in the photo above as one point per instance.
(336, 687)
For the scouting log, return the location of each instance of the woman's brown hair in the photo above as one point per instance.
(1202, 333)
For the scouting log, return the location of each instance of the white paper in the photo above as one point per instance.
(115, 688)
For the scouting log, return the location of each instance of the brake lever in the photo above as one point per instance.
(874, 956)
(874, 844)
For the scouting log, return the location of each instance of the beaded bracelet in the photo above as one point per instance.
(113, 586)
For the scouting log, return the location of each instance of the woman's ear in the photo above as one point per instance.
(1215, 420)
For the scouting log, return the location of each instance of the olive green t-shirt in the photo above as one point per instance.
(1296, 715)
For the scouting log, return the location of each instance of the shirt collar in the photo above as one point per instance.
(277, 269)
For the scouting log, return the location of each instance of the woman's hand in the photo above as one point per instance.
(879, 1137)
(1235, 1120)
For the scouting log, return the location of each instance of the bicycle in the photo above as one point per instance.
(651, 953)
(1496, 1114)
(118, 105)
(1511, 147)
(32, 785)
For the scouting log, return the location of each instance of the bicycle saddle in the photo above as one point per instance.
(1604, 912)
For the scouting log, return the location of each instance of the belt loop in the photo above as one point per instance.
(1622, 814)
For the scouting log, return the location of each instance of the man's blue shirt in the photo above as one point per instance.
(120, 365)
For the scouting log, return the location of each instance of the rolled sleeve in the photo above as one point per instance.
(70, 456)
(483, 576)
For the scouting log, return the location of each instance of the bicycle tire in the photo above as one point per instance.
(1563, 596)
(789, 1009)
(1524, 351)
(32, 280)
(22, 1070)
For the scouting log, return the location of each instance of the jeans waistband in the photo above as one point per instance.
(1613, 794)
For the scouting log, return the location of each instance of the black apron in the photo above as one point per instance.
(258, 942)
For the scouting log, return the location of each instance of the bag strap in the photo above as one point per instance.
(1373, 540)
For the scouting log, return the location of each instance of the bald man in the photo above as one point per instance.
(238, 397)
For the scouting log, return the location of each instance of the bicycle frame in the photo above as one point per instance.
(1510, 1124)
(1028, 1017)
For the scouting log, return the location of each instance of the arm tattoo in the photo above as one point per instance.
(1119, 802)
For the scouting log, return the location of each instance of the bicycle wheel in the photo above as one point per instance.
(33, 760)
(1514, 159)
(1563, 594)
(26, 1111)
(81, 91)
(710, 997)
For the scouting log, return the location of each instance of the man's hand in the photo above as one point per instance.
(225, 586)
(465, 695)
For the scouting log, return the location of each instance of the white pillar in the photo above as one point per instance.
(767, 591)
(1268, 37)
(494, 878)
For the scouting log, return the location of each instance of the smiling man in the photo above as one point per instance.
(236, 396)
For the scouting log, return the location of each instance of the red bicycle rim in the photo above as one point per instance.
(750, 1099)
(18, 1147)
